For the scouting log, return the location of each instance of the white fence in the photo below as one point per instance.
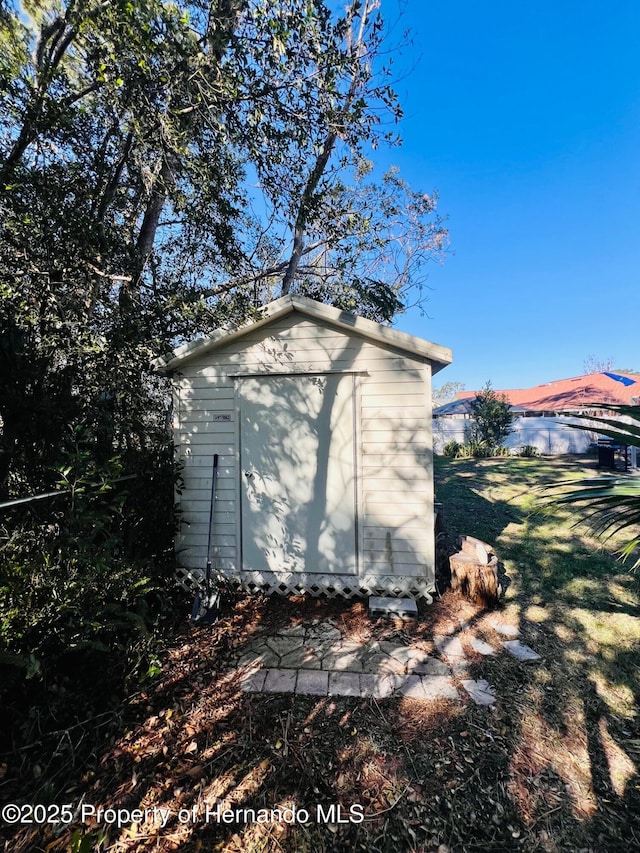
(550, 436)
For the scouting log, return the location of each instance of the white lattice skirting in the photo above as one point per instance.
(333, 586)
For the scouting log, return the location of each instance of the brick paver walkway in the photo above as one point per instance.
(317, 660)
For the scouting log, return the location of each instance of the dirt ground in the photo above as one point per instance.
(543, 770)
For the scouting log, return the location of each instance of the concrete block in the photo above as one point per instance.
(344, 683)
(405, 608)
(382, 664)
(253, 681)
(313, 682)
(292, 631)
(368, 685)
(280, 680)
(342, 662)
(323, 631)
(387, 685)
(260, 654)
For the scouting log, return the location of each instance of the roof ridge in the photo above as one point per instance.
(438, 355)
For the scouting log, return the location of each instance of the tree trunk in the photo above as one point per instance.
(308, 196)
(306, 204)
(474, 572)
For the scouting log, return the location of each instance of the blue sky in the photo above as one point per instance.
(526, 118)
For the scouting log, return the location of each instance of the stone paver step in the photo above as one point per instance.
(480, 691)
(520, 650)
(504, 628)
(316, 660)
(481, 647)
(280, 681)
(429, 687)
(451, 650)
(313, 682)
(323, 683)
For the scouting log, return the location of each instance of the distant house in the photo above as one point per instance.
(538, 419)
(580, 394)
(322, 424)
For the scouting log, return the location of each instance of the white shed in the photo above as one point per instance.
(322, 425)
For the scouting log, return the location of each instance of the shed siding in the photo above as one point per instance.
(395, 485)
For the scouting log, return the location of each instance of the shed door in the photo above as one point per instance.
(297, 451)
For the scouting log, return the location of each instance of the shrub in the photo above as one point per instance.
(528, 450)
(491, 418)
(81, 577)
(473, 449)
(451, 449)
(480, 449)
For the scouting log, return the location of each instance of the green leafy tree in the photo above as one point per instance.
(491, 418)
(328, 229)
(166, 168)
(130, 138)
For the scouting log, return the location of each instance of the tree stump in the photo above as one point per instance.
(474, 572)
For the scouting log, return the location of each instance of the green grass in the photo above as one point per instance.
(559, 576)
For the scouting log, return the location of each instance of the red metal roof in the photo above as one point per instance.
(581, 392)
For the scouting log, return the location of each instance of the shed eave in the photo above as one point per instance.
(439, 356)
(195, 349)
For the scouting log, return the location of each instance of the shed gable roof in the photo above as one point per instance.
(438, 355)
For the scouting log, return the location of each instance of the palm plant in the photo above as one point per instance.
(611, 503)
